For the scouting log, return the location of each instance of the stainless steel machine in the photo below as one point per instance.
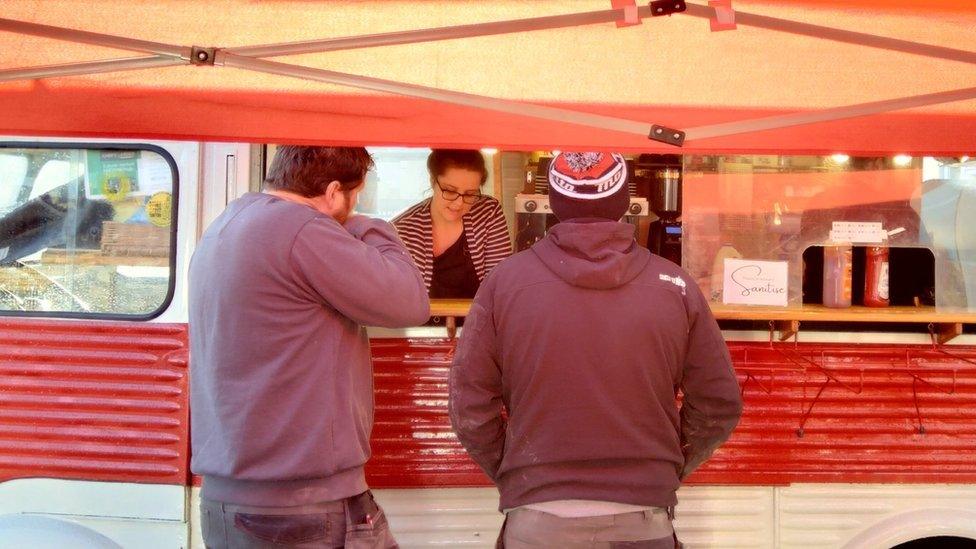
(533, 217)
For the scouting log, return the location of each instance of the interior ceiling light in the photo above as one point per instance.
(952, 160)
(840, 158)
(903, 160)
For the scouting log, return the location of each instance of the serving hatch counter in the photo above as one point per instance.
(945, 323)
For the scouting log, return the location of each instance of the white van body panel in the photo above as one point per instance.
(150, 516)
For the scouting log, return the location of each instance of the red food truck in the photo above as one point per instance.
(772, 146)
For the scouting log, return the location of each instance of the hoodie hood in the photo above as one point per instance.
(592, 253)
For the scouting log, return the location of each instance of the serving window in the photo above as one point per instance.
(399, 180)
(788, 208)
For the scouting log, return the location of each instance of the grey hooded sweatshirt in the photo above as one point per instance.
(281, 392)
(585, 340)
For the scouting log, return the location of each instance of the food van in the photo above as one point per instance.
(859, 421)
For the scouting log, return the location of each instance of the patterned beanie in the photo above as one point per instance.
(588, 184)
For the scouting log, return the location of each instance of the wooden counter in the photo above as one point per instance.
(819, 313)
(449, 307)
(810, 313)
(947, 323)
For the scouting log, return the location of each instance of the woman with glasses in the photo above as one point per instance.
(457, 235)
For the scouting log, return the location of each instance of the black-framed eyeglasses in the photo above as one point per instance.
(451, 196)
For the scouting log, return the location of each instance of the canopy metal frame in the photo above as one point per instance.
(254, 58)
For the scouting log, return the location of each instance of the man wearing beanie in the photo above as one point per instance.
(584, 340)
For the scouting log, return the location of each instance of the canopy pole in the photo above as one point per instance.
(446, 96)
(437, 34)
(91, 67)
(838, 35)
(273, 50)
(94, 38)
(839, 113)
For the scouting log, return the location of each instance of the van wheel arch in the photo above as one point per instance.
(916, 525)
(42, 532)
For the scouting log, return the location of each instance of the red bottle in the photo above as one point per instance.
(876, 287)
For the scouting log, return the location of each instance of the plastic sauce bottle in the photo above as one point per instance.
(838, 265)
(876, 292)
(727, 251)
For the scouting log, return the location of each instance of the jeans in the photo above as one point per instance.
(356, 522)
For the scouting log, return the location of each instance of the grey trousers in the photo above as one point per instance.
(528, 528)
(357, 522)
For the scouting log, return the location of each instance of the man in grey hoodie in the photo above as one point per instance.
(585, 340)
(281, 393)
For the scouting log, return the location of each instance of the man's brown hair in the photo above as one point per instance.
(307, 171)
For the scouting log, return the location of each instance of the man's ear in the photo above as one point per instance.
(333, 190)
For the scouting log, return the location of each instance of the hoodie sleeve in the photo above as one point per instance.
(711, 398)
(363, 271)
(475, 387)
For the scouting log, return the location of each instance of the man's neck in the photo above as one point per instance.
(291, 197)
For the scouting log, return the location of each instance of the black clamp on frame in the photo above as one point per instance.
(670, 136)
(202, 56)
(667, 7)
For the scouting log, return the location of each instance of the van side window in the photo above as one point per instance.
(86, 231)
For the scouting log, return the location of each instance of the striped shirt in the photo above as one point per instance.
(484, 228)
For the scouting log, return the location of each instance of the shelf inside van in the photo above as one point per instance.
(55, 256)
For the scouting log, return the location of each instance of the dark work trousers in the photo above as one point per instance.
(356, 522)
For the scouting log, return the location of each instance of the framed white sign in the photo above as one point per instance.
(748, 282)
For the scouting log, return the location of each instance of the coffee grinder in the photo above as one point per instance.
(662, 174)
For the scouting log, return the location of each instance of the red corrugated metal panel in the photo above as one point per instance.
(413, 444)
(863, 426)
(108, 401)
(93, 400)
(851, 413)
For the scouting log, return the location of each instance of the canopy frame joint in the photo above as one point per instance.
(667, 7)
(202, 56)
(664, 134)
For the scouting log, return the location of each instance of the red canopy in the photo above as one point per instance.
(671, 71)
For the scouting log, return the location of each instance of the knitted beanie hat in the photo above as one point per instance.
(588, 184)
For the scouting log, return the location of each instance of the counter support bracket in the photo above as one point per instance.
(943, 332)
(451, 323)
(788, 329)
(783, 330)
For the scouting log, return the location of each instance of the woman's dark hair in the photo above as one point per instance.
(441, 159)
(307, 171)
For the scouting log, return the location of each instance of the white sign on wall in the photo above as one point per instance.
(857, 232)
(748, 282)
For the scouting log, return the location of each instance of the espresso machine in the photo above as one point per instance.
(534, 218)
(661, 173)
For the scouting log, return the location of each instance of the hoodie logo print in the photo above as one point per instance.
(676, 280)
